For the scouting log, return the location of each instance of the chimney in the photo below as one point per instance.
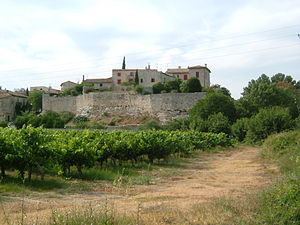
(179, 67)
(82, 78)
(148, 66)
(205, 65)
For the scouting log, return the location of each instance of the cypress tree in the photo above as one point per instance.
(136, 78)
(123, 65)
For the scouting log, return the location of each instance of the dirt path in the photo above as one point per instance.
(233, 173)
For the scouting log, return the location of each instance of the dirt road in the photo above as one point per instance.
(232, 173)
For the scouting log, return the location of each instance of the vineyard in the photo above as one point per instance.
(39, 151)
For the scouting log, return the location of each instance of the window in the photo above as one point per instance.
(177, 76)
(130, 80)
(119, 81)
(185, 77)
(141, 80)
(131, 73)
(101, 85)
(119, 74)
(197, 74)
(152, 80)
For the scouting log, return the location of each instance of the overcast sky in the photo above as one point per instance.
(51, 41)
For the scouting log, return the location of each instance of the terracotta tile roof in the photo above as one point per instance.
(6, 93)
(103, 80)
(177, 71)
(67, 82)
(198, 67)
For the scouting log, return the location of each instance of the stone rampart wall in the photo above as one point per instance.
(162, 106)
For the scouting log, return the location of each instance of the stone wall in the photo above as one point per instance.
(164, 107)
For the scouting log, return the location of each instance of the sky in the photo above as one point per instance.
(44, 43)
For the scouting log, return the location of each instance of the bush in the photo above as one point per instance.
(218, 123)
(268, 121)
(151, 125)
(138, 89)
(214, 103)
(80, 119)
(191, 85)
(180, 124)
(240, 128)
(158, 87)
(199, 124)
(3, 124)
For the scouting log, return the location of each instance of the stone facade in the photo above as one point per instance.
(45, 89)
(101, 84)
(147, 77)
(8, 102)
(67, 85)
(164, 107)
(200, 72)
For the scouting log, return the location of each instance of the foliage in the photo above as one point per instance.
(191, 85)
(136, 78)
(214, 103)
(3, 124)
(151, 125)
(240, 128)
(158, 88)
(268, 121)
(280, 203)
(173, 85)
(76, 90)
(37, 150)
(218, 123)
(169, 86)
(48, 120)
(179, 124)
(35, 99)
(262, 93)
(80, 118)
(219, 89)
(138, 89)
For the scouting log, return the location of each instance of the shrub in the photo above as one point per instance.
(180, 124)
(80, 118)
(158, 87)
(199, 124)
(3, 124)
(138, 89)
(191, 85)
(239, 129)
(218, 123)
(151, 125)
(269, 121)
(214, 103)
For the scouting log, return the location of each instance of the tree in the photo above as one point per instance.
(219, 89)
(136, 77)
(158, 87)
(263, 93)
(173, 85)
(35, 99)
(191, 85)
(214, 103)
(123, 64)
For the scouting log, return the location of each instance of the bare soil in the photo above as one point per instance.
(233, 173)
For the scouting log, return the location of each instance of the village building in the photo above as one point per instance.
(48, 90)
(200, 72)
(67, 85)
(8, 102)
(147, 77)
(101, 84)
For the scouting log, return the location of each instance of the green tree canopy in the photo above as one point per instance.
(35, 99)
(263, 93)
(214, 103)
(191, 85)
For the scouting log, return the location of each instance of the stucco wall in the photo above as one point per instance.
(162, 106)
